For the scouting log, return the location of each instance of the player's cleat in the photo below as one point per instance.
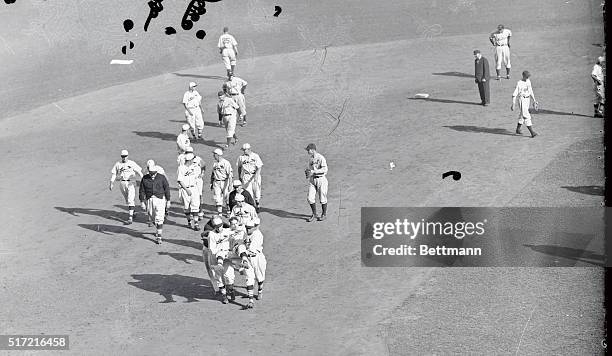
(226, 146)
(225, 300)
(311, 218)
(196, 227)
(518, 131)
(508, 76)
(130, 221)
(321, 218)
(220, 123)
(251, 305)
(149, 224)
(534, 134)
(259, 295)
(232, 295)
(159, 239)
(498, 78)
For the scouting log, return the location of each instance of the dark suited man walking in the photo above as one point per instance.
(481, 74)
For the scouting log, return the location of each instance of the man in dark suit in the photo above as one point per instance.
(481, 74)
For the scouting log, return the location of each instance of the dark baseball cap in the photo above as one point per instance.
(311, 146)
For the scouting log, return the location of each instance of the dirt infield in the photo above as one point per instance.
(71, 266)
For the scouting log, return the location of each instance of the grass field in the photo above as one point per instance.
(70, 266)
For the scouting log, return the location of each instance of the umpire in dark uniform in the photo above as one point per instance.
(482, 76)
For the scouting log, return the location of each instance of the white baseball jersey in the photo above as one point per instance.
(219, 242)
(248, 163)
(222, 170)
(182, 142)
(318, 164)
(187, 175)
(227, 41)
(501, 39)
(227, 106)
(235, 85)
(192, 99)
(254, 242)
(523, 88)
(125, 170)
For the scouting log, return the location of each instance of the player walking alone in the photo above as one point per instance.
(315, 173)
(525, 93)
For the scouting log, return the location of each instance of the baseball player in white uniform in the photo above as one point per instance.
(200, 179)
(182, 140)
(236, 88)
(221, 177)
(227, 108)
(189, 191)
(249, 171)
(524, 92)
(501, 41)
(254, 250)
(243, 211)
(315, 173)
(193, 113)
(228, 47)
(126, 170)
(222, 270)
(598, 81)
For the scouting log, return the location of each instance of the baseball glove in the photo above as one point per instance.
(536, 106)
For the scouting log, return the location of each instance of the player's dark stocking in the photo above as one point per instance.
(324, 208)
(313, 207)
(250, 292)
(533, 133)
(518, 129)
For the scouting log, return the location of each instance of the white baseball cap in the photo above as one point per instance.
(249, 223)
(239, 197)
(124, 152)
(216, 221)
(189, 156)
(189, 149)
(154, 168)
(246, 146)
(185, 127)
(218, 151)
(193, 84)
(237, 183)
(150, 164)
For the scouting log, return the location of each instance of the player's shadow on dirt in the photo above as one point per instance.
(206, 123)
(187, 243)
(561, 113)
(570, 253)
(283, 214)
(183, 257)
(215, 77)
(479, 129)
(456, 74)
(446, 101)
(172, 137)
(107, 214)
(168, 286)
(116, 230)
(587, 189)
